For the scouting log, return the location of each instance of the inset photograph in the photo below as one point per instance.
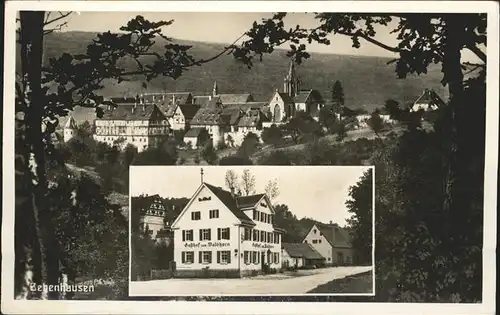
(258, 231)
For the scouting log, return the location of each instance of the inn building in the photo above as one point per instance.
(222, 235)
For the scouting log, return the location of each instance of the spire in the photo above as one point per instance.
(291, 70)
(201, 173)
(214, 91)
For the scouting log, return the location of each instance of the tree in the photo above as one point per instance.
(203, 138)
(422, 39)
(249, 145)
(46, 92)
(340, 131)
(231, 180)
(360, 206)
(235, 160)
(208, 153)
(328, 119)
(247, 183)
(272, 189)
(375, 123)
(338, 97)
(272, 135)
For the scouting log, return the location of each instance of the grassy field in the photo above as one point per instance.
(360, 283)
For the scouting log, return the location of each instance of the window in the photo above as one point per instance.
(262, 214)
(276, 238)
(255, 215)
(205, 234)
(247, 258)
(271, 219)
(247, 235)
(205, 257)
(319, 241)
(315, 241)
(305, 241)
(276, 258)
(314, 231)
(187, 257)
(255, 256)
(223, 233)
(329, 258)
(262, 236)
(224, 257)
(213, 214)
(269, 237)
(196, 215)
(256, 235)
(187, 235)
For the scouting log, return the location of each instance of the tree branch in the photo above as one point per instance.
(478, 52)
(370, 40)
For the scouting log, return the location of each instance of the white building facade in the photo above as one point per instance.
(220, 235)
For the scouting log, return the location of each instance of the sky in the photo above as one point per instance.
(317, 192)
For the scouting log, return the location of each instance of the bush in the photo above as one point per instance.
(235, 160)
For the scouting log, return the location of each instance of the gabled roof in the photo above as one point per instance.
(304, 95)
(130, 112)
(301, 250)
(335, 235)
(430, 98)
(235, 98)
(230, 202)
(188, 110)
(144, 202)
(248, 201)
(70, 124)
(207, 116)
(285, 97)
(193, 133)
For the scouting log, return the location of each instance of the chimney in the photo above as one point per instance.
(331, 222)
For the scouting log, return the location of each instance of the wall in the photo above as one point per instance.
(322, 245)
(226, 220)
(348, 254)
(290, 261)
(259, 246)
(155, 223)
(239, 136)
(140, 133)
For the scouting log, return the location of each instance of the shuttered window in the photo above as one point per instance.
(187, 257)
(187, 235)
(224, 257)
(222, 234)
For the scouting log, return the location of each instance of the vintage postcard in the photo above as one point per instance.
(191, 157)
(251, 230)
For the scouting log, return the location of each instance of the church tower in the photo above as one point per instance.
(69, 129)
(215, 92)
(292, 82)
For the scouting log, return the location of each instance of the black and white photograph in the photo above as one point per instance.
(312, 155)
(251, 231)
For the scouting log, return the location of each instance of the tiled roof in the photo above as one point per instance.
(128, 112)
(123, 100)
(189, 110)
(304, 95)
(235, 98)
(248, 201)
(230, 203)
(180, 97)
(301, 250)
(201, 100)
(207, 116)
(193, 132)
(286, 98)
(143, 202)
(250, 119)
(335, 235)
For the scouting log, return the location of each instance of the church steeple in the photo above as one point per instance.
(292, 82)
(215, 92)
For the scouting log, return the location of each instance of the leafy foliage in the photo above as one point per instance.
(360, 206)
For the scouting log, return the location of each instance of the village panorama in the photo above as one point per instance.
(230, 229)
